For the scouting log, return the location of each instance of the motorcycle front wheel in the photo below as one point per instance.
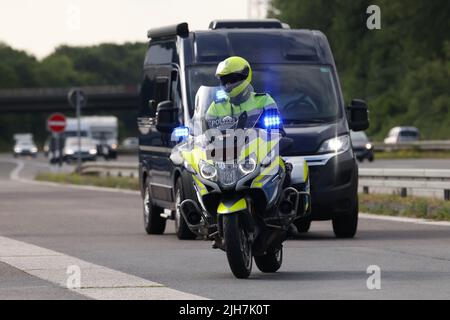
(238, 246)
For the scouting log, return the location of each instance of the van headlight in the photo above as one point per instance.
(337, 145)
(93, 151)
(69, 151)
(208, 171)
(247, 166)
(34, 150)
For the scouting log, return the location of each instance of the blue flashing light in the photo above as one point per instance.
(272, 121)
(181, 132)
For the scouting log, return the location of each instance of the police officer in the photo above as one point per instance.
(235, 75)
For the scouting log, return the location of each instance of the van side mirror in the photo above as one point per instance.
(358, 115)
(166, 117)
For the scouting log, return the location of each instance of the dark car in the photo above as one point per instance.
(362, 147)
(296, 67)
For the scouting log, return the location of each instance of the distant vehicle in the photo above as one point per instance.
(103, 130)
(25, 148)
(23, 137)
(402, 134)
(131, 143)
(362, 147)
(88, 149)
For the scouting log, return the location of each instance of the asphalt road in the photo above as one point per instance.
(105, 229)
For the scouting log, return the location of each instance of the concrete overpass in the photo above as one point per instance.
(100, 98)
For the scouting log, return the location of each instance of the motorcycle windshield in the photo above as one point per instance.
(213, 110)
(228, 136)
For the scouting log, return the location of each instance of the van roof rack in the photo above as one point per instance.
(180, 29)
(247, 24)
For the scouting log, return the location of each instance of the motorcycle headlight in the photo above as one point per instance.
(208, 171)
(247, 166)
(336, 145)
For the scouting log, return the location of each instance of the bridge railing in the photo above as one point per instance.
(116, 169)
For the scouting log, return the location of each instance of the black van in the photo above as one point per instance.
(296, 67)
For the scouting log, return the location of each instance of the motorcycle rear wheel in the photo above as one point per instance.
(270, 262)
(238, 246)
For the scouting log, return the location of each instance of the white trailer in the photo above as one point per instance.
(104, 131)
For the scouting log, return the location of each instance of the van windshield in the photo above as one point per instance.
(303, 93)
(409, 133)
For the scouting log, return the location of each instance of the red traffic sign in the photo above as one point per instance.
(56, 123)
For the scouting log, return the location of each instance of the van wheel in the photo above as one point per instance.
(271, 261)
(302, 225)
(181, 227)
(153, 222)
(345, 226)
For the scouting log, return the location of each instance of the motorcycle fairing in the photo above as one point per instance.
(232, 204)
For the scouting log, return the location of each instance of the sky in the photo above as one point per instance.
(38, 26)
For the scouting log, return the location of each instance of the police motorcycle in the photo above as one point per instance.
(244, 200)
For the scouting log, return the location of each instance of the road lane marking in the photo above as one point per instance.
(405, 220)
(20, 165)
(14, 174)
(97, 282)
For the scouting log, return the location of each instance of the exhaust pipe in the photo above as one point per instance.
(289, 202)
(286, 207)
(192, 214)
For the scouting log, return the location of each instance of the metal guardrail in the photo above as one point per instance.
(416, 182)
(115, 169)
(430, 145)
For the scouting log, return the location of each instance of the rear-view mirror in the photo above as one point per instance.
(358, 115)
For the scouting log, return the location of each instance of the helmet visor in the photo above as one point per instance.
(234, 77)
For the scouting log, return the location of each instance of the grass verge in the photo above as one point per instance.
(90, 180)
(413, 207)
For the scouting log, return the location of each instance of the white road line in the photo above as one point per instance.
(404, 219)
(96, 282)
(20, 164)
(14, 174)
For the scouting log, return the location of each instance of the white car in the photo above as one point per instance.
(88, 150)
(402, 134)
(25, 148)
